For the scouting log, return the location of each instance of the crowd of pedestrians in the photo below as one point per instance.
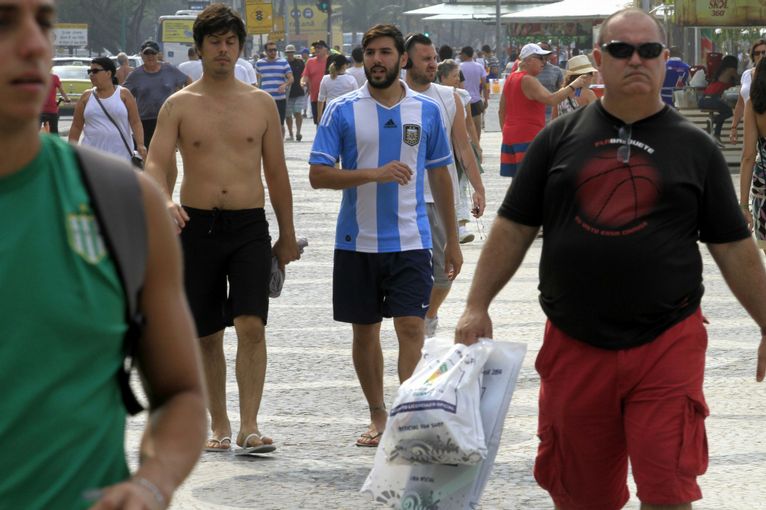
(398, 133)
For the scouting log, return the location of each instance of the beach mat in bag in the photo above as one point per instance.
(452, 487)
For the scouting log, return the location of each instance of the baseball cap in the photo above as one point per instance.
(290, 48)
(150, 45)
(532, 49)
(319, 43)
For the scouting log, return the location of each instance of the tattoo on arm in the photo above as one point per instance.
(167, 107)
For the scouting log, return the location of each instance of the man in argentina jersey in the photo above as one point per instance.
(276, 77)
(389, 139)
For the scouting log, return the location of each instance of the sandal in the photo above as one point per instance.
(220, 442)
(261, 448)
(369, 439)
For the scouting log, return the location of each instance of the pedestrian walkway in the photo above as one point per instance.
(314, 409)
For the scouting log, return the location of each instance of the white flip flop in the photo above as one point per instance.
(261, 448)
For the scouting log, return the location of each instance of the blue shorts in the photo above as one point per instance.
(369, 286)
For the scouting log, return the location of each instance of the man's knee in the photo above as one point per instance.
(211, 341)
(409, 330)
(366, 334)
(250, 328)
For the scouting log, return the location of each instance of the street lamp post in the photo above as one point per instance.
(498, 43)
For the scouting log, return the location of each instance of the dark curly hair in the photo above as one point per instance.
(384, 31)
(729, 61)
(107, 64)
(217, 19)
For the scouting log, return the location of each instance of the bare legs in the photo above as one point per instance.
(477, 123)
(214, 363)
(298, 124)
(251, 374)
(368, 360)
(438, 295)
(368, 363)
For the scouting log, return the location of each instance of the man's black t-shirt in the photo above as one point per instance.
(620, 261)
(296, 66)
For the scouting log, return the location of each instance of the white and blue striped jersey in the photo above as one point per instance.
(362, 133)
(273, 75)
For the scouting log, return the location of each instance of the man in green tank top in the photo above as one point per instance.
(63, 316)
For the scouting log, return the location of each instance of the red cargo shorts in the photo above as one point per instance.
(599, 408)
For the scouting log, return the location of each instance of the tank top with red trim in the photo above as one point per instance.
(524, 117)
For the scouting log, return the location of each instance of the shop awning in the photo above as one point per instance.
(468, 12)
(567, 11)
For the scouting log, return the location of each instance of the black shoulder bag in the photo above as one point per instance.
(136, 160)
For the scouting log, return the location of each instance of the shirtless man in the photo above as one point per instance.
(223, 129)
(124, 70)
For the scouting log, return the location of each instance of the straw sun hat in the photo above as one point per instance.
(580, 64)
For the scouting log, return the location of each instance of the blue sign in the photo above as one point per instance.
(308, 13)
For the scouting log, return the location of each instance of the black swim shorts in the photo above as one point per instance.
(220, 247)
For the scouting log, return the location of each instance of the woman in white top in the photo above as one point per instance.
(92, 122)
(579, 65)
(336, 83)
(757, 51)
(448, 74)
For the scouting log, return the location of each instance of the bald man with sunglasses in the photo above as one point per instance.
(624, 189)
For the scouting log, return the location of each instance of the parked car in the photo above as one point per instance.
(71, 61)
(75, 81)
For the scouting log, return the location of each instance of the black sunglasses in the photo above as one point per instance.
(94, 71)
(623, 153)
(623, 50)
(149, 52)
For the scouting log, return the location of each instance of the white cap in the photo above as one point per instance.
(532, 49)
(289, 48)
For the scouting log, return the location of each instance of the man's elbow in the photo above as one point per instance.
(316, 177)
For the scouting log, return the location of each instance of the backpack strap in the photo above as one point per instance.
(117, 202)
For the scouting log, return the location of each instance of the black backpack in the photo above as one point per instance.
(118, 205)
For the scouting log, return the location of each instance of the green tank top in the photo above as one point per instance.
(62, 321)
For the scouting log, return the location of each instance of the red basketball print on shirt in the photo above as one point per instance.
(615, 195)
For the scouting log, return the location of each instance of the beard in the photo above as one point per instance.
(420, 78)
(389, 78)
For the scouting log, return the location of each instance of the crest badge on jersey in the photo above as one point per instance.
(84, 235)
(411, 134)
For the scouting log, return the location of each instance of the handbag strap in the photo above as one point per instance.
(130, 151)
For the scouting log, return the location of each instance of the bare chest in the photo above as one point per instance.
(228, 126)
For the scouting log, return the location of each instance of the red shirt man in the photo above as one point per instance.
(316, 67)
(50, 113)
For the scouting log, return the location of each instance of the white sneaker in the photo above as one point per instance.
(464, 235)
(431, 325)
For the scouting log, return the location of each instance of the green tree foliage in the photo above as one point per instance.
(117, 25)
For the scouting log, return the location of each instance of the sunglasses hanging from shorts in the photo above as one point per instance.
(623, 50)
